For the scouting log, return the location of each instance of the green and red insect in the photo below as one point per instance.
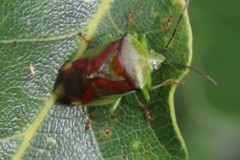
(110, 71)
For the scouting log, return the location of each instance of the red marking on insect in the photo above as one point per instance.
(103, 84)
(90, 64)
(116, 66)
(92, 78)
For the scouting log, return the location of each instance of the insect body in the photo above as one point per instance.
(107, 73)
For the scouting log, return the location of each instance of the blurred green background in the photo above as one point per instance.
(208, 115)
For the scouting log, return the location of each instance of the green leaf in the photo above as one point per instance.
(44, 34)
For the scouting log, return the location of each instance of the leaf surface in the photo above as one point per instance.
(38, 37)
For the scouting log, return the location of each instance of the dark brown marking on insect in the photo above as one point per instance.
(74, 83)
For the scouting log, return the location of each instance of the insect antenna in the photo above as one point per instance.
(209, 78)
(177, 25)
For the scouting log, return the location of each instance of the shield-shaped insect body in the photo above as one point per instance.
(108, 72)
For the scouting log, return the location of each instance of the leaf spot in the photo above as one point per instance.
(136, 144)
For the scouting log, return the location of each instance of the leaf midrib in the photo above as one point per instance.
(32, 128)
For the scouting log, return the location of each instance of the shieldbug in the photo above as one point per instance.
(106, 73)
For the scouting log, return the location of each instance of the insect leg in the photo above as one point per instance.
(114, 106)
(166, 27)
(109, 37)
(163, 29)
(168, 82)
(147, 113)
